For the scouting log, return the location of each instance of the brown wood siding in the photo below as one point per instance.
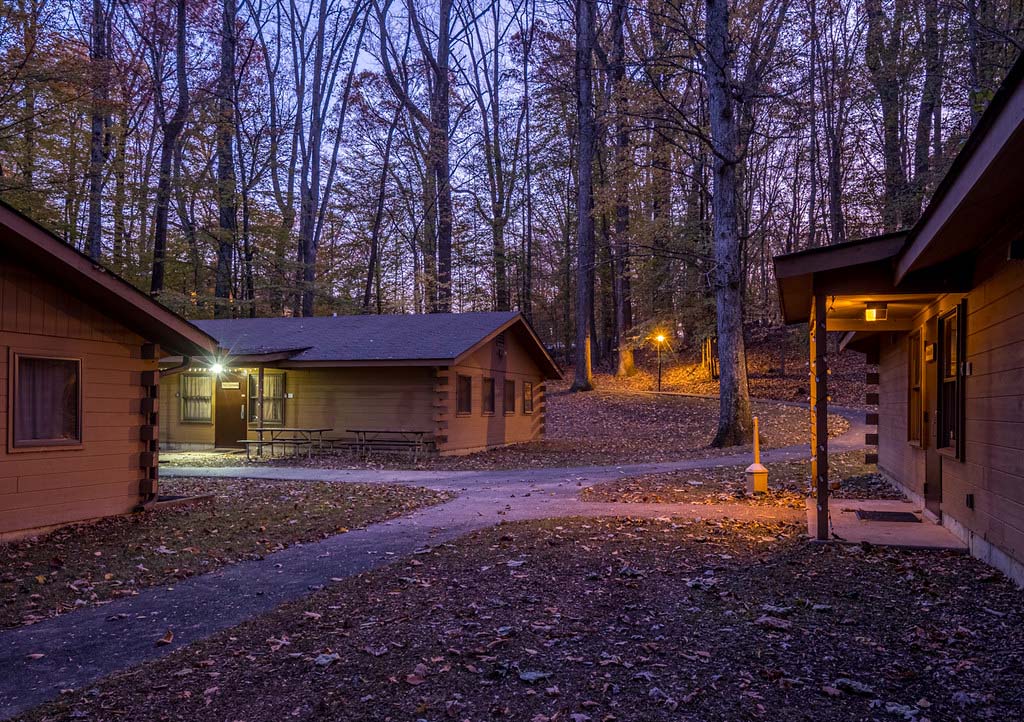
(993, 467)
(47, 487)
(475, 431)
(897, 457)
(399, 397)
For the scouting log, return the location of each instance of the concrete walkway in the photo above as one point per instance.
(84, 646)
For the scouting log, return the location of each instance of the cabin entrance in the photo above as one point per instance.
(932, 458)
(229, 421)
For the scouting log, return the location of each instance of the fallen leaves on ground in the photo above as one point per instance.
(90, 564)
(597, 428)
(721, 621)
(788, 484)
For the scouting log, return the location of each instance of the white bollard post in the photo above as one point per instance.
(757, 475)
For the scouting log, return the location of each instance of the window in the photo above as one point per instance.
(952, 347)
(463, 395)
(487, 397)
(47, 401)
(527, 397)
(510, 396)
(915, 371)
(196, 393)
(273, 398)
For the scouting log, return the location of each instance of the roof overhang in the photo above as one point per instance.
(27, 242)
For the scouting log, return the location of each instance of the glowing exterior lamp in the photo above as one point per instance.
(660, 340)
(216, 368)
(876, 311)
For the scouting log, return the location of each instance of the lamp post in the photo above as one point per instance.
(660, 338)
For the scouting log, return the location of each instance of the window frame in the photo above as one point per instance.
(951, 386)
(527, 396)
(484, 383)
(252, 388)
(915, 352)
(506, 395)
(30, 445)
(458, 394)
(181, 398)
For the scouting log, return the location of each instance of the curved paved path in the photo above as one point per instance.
(83, 646)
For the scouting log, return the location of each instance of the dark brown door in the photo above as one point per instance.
(229, 425)
(932, 458)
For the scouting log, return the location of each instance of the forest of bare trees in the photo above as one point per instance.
(607, 168)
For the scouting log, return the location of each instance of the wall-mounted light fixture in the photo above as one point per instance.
(876, 311)
(216, 368)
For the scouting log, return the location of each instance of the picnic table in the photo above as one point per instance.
(296, 437)
(368, 439)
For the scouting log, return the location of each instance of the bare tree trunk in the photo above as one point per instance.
(171, 130)
(621, 175)
(120, 167)
(930, 97)
(882, 55)
(586, 131)
(372, 271)
(226, 183)
(99, 137)
(734, 421)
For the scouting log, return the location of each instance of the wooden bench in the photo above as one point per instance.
(296, 445)
(389, 440)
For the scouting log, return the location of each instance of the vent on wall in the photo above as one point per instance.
(499, 343)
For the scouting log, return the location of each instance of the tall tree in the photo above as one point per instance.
(227, 236)
(586, 20)
(99, 136)
(171, 128)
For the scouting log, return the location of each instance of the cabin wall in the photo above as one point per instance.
(43, 487)
(993, 466)
(475, 431)
(372, 397)
(897, 458)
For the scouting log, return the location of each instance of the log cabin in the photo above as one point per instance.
(79, 382)
(940, 309)
(465, 381)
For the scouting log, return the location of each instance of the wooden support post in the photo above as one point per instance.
(819, 412)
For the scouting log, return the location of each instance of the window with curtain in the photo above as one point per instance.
(510, 396)
(527, 397)
(915, 380)
(487, 397)
(196, 394)
(47, 401)
(273, 398)
(463, 395)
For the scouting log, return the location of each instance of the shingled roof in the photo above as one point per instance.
(349, 340)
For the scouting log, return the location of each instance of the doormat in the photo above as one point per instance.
(898, 516)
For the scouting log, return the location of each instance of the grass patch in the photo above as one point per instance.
(90, 564)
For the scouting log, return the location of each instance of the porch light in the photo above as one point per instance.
(878, 311)
(216, 368)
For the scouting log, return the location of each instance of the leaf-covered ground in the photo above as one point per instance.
(777, 368)
(93, 563)
(585, 429)
(788, 484)
(609, 620)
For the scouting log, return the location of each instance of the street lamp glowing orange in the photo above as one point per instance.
(660, 338)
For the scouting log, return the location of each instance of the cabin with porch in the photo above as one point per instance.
(464, 382)
(940, 309)
(79, 349)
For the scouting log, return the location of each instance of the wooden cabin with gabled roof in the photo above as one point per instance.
(940, 309)
(465, 382)
(79, 385)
